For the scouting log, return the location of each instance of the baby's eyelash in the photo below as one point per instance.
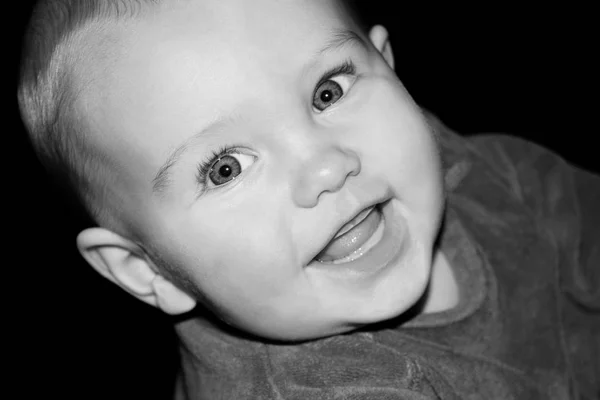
(205, 166)
(347, 68)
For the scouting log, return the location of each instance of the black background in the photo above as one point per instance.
(496, 68)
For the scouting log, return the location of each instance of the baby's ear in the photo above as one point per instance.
(125, 264)
(381, 40)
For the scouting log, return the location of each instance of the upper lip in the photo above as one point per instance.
(347, 220)
(354, 222)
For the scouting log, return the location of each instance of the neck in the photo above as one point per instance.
(442, 293)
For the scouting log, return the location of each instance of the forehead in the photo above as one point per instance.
(188, 63)
(217, 43)
(216, 37)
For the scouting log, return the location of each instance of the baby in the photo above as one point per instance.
(261, 160)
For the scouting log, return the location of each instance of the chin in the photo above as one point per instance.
(397, 293)
(391, 307)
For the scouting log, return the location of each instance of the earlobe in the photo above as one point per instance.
(380, 39)
(170, 298)
(124, 263)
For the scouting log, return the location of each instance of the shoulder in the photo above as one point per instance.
(505, 165)
(528, 172)
(539, 177)
(505, 175)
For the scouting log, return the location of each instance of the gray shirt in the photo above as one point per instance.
(522, 234)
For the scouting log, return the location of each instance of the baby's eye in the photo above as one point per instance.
(330, 91)
(227, 167)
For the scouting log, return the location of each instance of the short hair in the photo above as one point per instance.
(50, 54)
(46, 92)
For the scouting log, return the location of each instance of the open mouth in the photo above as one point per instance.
(371, 243)
(355, 238)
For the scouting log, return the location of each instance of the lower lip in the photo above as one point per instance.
(386, 252)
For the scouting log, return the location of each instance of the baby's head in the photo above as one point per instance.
(223, 147)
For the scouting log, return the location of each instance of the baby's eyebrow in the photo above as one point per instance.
(162, 179)
(341, 38)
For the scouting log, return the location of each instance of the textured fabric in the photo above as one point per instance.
(522, 234)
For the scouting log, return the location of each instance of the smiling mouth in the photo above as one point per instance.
(355, 238)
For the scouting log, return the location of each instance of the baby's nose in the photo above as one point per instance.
(325, 171)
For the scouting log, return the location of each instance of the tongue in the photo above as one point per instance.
(352, 240)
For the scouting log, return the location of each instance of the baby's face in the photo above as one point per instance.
(244, 137)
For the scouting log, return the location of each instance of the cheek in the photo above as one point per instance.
(396, 138)
(237, 250)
